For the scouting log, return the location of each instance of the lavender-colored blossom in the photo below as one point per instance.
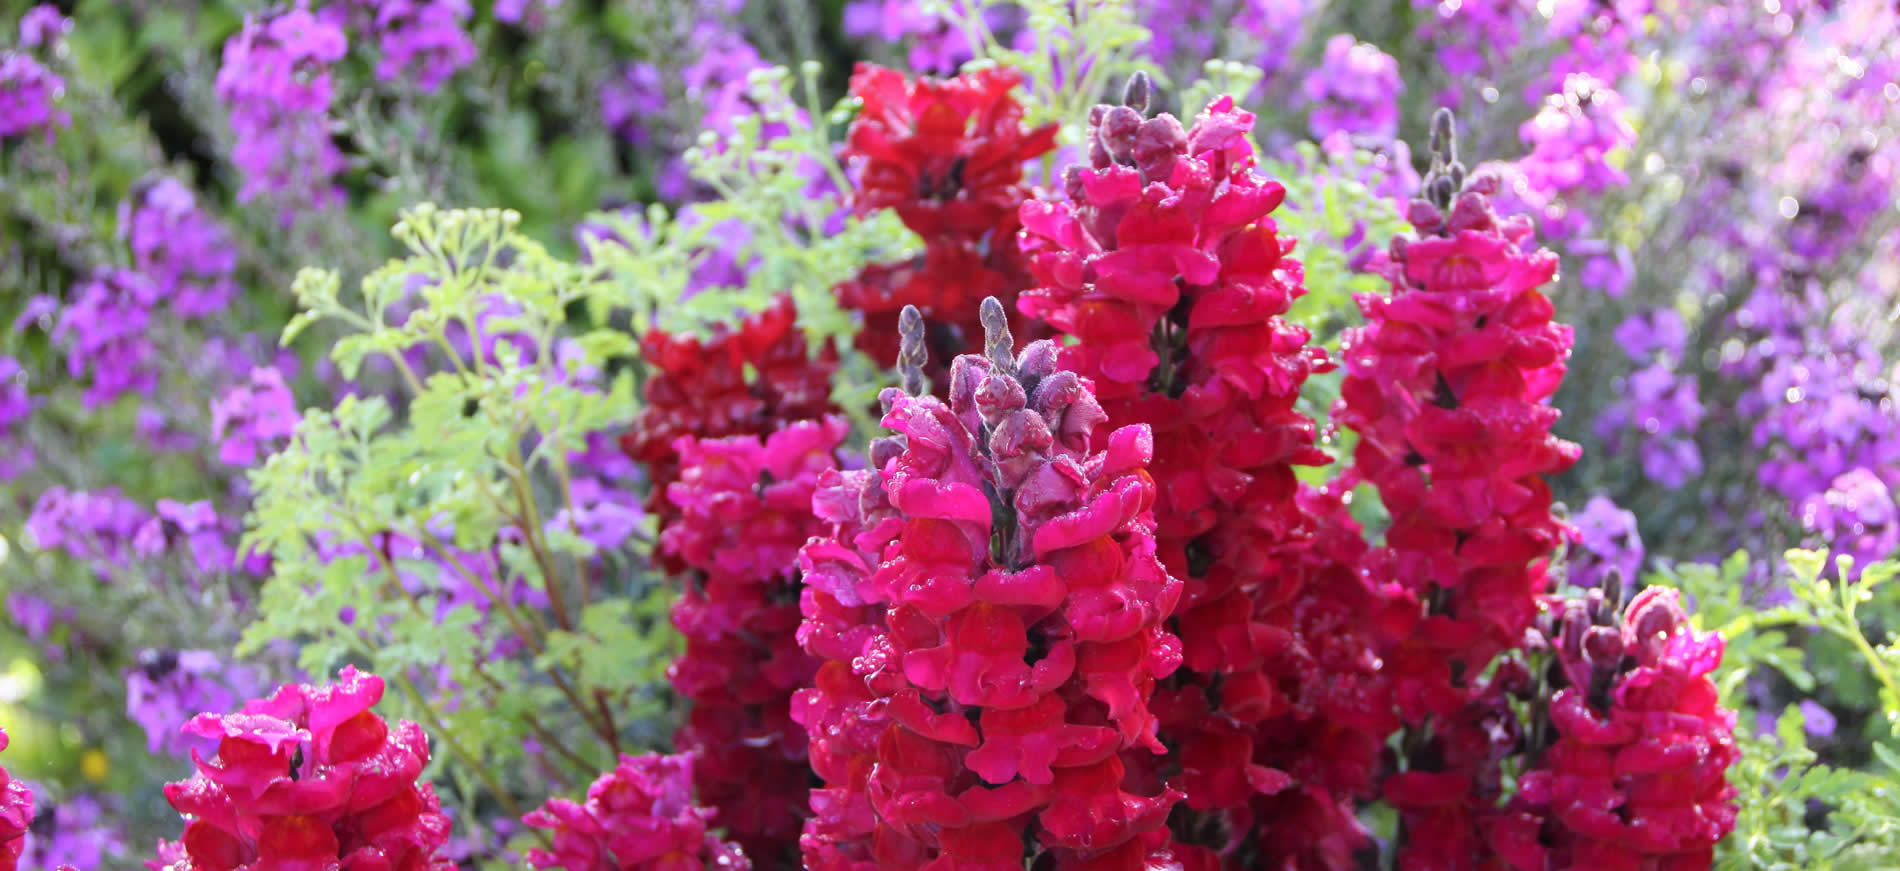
(936, 45)
(602, 514)
(206, 536)
(168, 687)
(34, 616)
(104, 334)
(1660, 332)
(28, 92)
(1355, 89)
(76, 832)
(631, 99)
(16, 406)
(179, 247)
(43, 25)
(1607, 541)
(525, 12)
(1856, 517)
(1659, 411)
(1572, 136)
(97, 527)
(277, 83)
(251, 417)
(1817, 720)
(423, 42)
(1823, 415)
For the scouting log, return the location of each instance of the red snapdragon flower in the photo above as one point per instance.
(638, 817)
(16, 814)
(1448, 386)
(1012, 602)
(947, 155)
(744, 510)
(1165, 268)
(310, 777)
(1637, 775)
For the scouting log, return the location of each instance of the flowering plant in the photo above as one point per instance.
(990, 434)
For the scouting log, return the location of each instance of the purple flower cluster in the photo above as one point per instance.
(105, 334)
(16, 406)
(252, 418)
(76, 833)
(277, 82)
(29, 92)
(179, 247)
(1856, 517)
(1607, 542)
(97, 527)
(936, 45)
(419, 41)
(169, 687)
(1356, 89)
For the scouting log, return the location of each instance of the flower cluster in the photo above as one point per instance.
(106, 334)
(947, 156)
(76, 833)
(180, 247)
(992, 694)
(1355, 88)
(1168, 272)
(638, 817)
(1446, 387)
(1572, 139)
(253, 418)
(167, 687)
(16, 814)
(744, 508)
(16, 407)
(699, 388)
(310, 777)
(97, 527)
(1609, 549)
(276, 80)
(422, 41)
(29, 93)
(1636, 773)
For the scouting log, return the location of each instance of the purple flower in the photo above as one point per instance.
(205, 534)
(41, 25)
(96, 527)
(104, 334)
(631, 99)
(1607, 541)
(937, 46)
(603, 515)
(1660, 411)
(1856, 517)
(74, 832)
(1817, 720)
(1572, 136)
(423, 41)
(516, 11)
(253, 416)
(180, 247)
(1356, 89)
(28, 91)
(34, 616)
(1660, 332)
(169, 687)
(277, 83)
(16, 406)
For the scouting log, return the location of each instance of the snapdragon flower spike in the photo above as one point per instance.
(1011, 609)
(16, 814)
(1167, 270)
(1637, 773)
(638, 817)
(1447, 386)
(310, 777)
(744, 512)
(947, 155)
(699, 389)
